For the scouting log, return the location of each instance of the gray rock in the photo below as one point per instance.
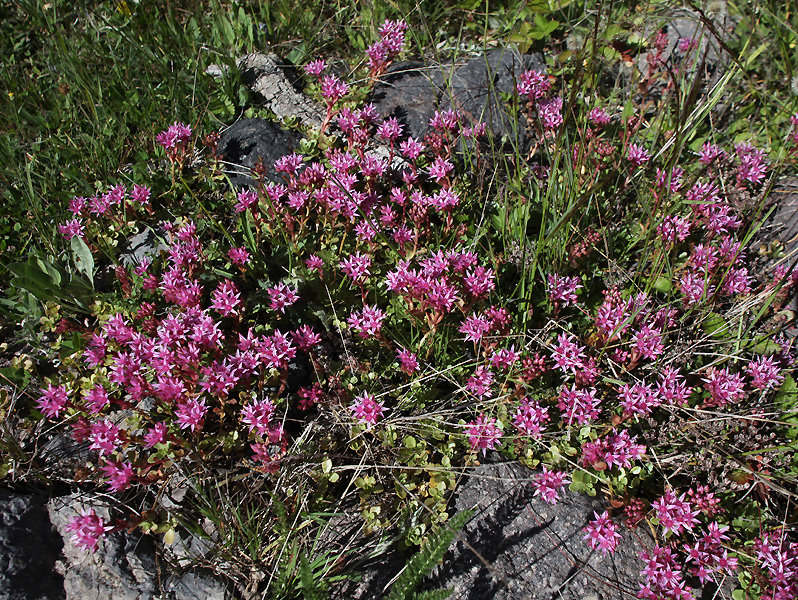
(412, 91)
(518, 546)
(277, 86)
(146, 244)
(273, 79)
(246, 141)
(124, 567)
(29, 547)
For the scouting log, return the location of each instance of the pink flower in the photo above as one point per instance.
(305, 338)
(533, 84)
(578, 405)
(440, 169)
(562, 290)
(104, 437)
(599, 117)
(637, 155)
(675, 513)
(314, 263)
(568, 355)
(367, 322)
(602, 533)
(315, 67)
(156, 435)
(530, 418)
(281, 296)
(504, 358)
(72, 228)
(367, 410)
(356, 267)
(411, 148)
(54, 400)
(408, 361)
(671, 387)
(479, 383)
(96, 399)
(723, 386)
(257, 415)
(246, 199)
(638, 399)
(648, 342)
(475, 327)
(390, 129)
(178, 133)
(87, 529)
(225, 298)
(673, 229)
(764, 373)
(752, 165)
(119, 474)
(333, 89)
(190, 413)
(479, 281)
(614, 449)
(141, 194)
(483, 434)
(694, 287)
(548, 483)
(710, 153)
(550, 112)
(239, 256)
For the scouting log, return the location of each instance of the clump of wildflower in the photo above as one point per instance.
(601, 533)
(567, 355)
(752, 165)
(483, 434)
(120, 475)
(408, 361)
(548, 483)
(479, 383)
(53, 401)
(257, 415)
(280, 296)
(675, 513)
(562, 290)
(765, 373)
(531, 417)
(723, 386)
(637, 155)
(614, 449)
(72, 228)
(175, 136)
(599, 117)
(578, 405)
(238, 256)
(88, 529)
(533, 84)
(367, 322)
(367, 410)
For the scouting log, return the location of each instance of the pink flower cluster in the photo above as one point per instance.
(88, 529)
(367, 410)
(548, 484)
(602, 534)
(483, 434)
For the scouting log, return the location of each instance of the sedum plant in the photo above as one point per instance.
(384, 315)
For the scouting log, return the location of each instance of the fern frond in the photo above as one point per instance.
(432, 594)
(428, 556)
(311, 588)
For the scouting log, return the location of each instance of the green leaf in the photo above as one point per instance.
(84, 260)
(787, 393)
